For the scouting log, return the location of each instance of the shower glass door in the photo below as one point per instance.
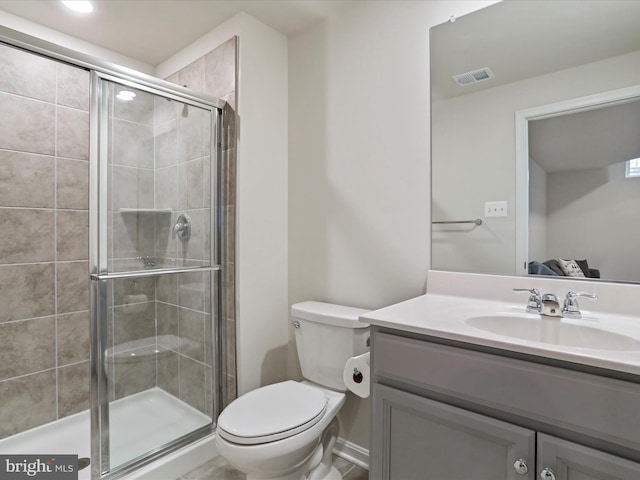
(155, 264)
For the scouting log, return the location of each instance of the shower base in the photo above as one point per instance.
(138, 423)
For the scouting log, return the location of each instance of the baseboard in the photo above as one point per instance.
(351, 452)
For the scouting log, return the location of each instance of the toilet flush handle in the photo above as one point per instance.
(295, 323)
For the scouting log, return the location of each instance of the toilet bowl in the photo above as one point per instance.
(283, 446)
(287, 430)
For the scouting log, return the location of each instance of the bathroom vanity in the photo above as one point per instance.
(453, 402)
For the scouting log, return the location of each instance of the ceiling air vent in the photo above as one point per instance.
(473, 77)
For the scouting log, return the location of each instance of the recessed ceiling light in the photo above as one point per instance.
(125, 95)
(82, 6)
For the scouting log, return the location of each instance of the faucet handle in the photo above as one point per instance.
(534, 304)
(570, 309)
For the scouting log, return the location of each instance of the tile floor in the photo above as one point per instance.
(218, 469)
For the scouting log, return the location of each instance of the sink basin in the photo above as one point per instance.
(553, 331)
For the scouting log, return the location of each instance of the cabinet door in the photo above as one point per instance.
(417, 438)
(570, 461)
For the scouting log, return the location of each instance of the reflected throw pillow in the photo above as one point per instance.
(570, 268)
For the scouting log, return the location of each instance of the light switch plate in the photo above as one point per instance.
(495, 209)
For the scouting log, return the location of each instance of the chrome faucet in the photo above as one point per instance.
(549, 305)
(534, 304)
(570, 309)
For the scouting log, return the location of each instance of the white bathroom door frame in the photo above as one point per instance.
(522, 118)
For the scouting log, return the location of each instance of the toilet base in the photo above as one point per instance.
(333, 474)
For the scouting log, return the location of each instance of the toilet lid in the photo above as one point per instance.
(272, 413)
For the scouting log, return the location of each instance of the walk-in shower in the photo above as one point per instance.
(111, 291)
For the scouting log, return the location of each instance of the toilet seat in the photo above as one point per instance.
(272, 413)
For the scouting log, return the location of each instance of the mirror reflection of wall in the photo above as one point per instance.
(539, 53)
(582, 204)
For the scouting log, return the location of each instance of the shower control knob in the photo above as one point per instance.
(183, 227)
(547, 474)
(521, 467)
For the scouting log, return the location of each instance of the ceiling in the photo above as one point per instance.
(544, 36)
(151, 31)
(588, 139)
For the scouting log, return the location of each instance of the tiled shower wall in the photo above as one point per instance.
(160, 327)
(216, 74)
(44, 318)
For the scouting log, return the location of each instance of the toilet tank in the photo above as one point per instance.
(327, 336)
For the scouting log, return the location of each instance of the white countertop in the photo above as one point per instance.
(445, 316)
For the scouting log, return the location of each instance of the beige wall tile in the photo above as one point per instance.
(132, 144)
(73, 286)
(195, 247)
(168, 289)
(27, 125)
(73, 133)
(26, 291)
(167, 320)
(72, 184)
(168, 378)
(191, 184)
(72, 228)
(26, 235)
(192, 383)
(136, 375)
(73, 87)
(139, 110)
(122, 288)
(73, 389)
(166, 110)
(133, 235)
(191, 328)
(27, 180)
(193, 291)
(35, 394)
(167, 188)
(194, 134)
(192, 76)
(26, 74)
(73, 337)
(166, 144)
(132, 188)
(220, 69)
(134, 322)
(27, 346)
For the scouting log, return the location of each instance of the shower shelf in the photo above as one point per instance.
(146, 210)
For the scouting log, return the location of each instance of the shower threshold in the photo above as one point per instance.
(138, 424)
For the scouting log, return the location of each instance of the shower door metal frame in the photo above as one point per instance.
(100, 275)
(143, 81)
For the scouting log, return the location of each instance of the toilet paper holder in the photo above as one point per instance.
(357, 376)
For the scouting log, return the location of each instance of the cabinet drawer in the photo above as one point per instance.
(588, 404)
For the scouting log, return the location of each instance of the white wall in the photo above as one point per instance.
(359, 195)
(593, 214)
(537, 248)
(261, 262)
(489, 140)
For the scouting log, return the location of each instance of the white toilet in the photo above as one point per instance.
(287, 430)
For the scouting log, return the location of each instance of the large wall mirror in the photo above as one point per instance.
(535, 109)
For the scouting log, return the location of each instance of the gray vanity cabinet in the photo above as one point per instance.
(570, 461)
(444, 412)
(426, 440)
